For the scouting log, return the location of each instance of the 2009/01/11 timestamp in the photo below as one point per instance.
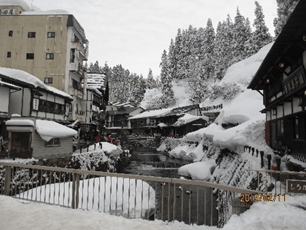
(248, 197)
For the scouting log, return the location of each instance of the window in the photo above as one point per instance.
(31, 34)
(55, 142)
(48, 80)
(50, 56)
(8, 54)
(296, 128)
(51, 34)
(10, 34)
(30, 56)
(72, 55)
(280, 127)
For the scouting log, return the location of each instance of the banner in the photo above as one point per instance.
(212, 107)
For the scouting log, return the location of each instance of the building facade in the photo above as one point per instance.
(281, 80)
(49, 45)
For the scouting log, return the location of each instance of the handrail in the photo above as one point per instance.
(277, 172)
(132, 176)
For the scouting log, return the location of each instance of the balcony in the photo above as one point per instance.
(81, 47)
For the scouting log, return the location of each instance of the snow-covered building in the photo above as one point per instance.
(117, 117)
(50, 45)
(166, 121)
(281, 80)
(40, 139)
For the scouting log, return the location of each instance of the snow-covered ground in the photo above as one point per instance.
(17, 214)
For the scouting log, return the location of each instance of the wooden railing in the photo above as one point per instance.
(132, 196)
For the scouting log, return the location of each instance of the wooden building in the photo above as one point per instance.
(281, 81)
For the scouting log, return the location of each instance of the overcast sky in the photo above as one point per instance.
(134, 33)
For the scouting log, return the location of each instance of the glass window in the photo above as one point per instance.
(8, 54)
(280, 126)
(50, 56)
(31, 34)
(51, 34)
(48, 80)
(30, 56)
(55, 142)
(10, 33)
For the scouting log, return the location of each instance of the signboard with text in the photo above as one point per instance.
(296, 186)
(7, 11)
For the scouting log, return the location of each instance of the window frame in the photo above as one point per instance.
(54, 142)
(47, 80)
(29, 56)
(31, 34)
(50, 34)
(10, 33)
(49, 56)
(9, 54)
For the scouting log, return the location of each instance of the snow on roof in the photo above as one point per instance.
(50, 129)
(187, 118)
(30, 79)
(94, 88)
(19, 122)
(162, 125)
(151, 113)
(47, 12)
(8, 85)
(20, 3)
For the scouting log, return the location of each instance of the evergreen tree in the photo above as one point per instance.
(241, 34)
(284, 10)
(168, 94)
(260, 37)
(150, 80)
(96, 67)
(208, 48)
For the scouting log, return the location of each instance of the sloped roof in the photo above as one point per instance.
(292, 34)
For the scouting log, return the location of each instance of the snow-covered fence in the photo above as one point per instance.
(132, 196)
(274, 181)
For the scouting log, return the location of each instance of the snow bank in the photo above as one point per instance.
(187, 118)
(108, 148)
(182, 151)
(50, 129)
(199, 170)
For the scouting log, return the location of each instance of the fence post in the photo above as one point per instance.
(253, 151)
(269, 161)
(257, 152)
(261, 157)
(7, 185)
(75, 191)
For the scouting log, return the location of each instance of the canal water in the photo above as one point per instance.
(152, 163)
(190, 204)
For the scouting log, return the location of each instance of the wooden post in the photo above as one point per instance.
(7, 185)
(257, 152)
(75, 191)
(261, 157)
(253, 151)
(269, 161)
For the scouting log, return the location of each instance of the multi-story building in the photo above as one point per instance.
(50, 45)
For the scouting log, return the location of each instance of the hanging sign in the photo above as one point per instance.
(35, 103)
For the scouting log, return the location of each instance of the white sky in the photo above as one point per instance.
(134, 33)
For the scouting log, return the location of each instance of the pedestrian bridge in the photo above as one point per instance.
(131, 196)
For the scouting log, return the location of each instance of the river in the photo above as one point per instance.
(189, 198)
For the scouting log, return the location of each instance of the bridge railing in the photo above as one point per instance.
(131, 196)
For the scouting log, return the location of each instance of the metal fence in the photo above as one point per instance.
(131, 196)
(274, 180)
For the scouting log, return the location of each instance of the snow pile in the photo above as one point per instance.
(199, 170)
(182, 151)
(261, 215)
(21, 3)
(108, 148)
(187, 118)
(20, 122)
(100, 194)
(50, 129)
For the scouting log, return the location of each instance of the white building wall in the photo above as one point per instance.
(4, 95)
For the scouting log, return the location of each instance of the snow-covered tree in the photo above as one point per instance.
(167, 91)
(260, 37)
(241, 34)
(284, 10)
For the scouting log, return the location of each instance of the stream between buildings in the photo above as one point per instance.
(186, 200)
